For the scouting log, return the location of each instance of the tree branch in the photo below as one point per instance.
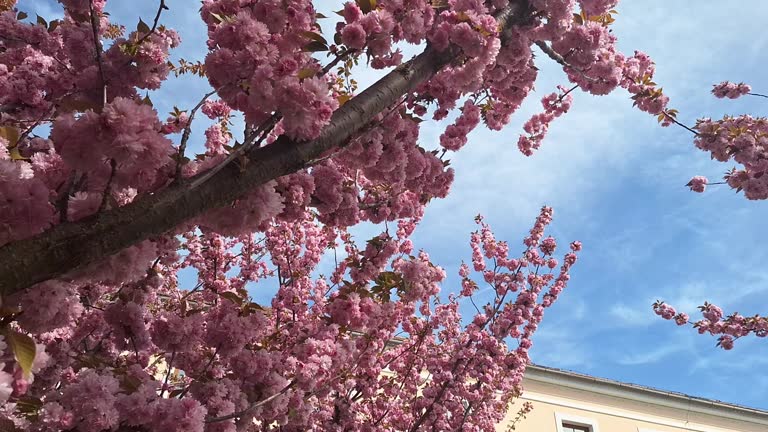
(160, 9)
(254, 137)
(70, 246)
(561, 61)
(187, 132)
(108, 187)
(97, 42)
(252, 407)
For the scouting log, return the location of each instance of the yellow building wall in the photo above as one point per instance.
(613, 414)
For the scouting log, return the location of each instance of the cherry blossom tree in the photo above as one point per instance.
(102, 211)
(744, 140)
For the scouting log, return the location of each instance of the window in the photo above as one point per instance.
(572, 423)
(570, 427)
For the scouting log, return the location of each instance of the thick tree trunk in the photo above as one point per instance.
(70, 246)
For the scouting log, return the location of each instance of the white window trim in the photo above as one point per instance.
(640, 429)
(561, 418)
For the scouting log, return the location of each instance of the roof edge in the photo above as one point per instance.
(674, 400)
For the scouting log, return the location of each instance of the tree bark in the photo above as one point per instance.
(72, 245)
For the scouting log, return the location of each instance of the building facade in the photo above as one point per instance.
(570, 402)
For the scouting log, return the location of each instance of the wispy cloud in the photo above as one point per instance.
(559, 348)
(630, 316)
(650, 356)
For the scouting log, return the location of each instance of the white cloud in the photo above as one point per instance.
(557, 347)
(650, 356)
(624, 315)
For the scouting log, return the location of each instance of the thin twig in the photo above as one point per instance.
(252, 407)
(167, 373)
(63, 202)
(28, 130)
(253, 140)
(187, 132)
(758, 94)
(192, 291)
(105, 197)
(213, 357)
(255, 137)
(97, 42)
(362, 131)
(562, 96)
(135, 350)
(561, 61)
(339, 57)
(674, 120)
(160, 9)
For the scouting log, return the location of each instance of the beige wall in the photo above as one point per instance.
(617, 414)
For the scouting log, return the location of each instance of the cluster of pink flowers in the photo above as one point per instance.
(597, 7)
(590, 50)
(727, 89)
(726, 328)
(221, 352)
(744, 140)
(455, 135)
(216, 109)
(264, 40)
(132, 344)
(637, 78)
(555, 105)
(698, 184)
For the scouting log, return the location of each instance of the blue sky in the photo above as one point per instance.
(616, 181)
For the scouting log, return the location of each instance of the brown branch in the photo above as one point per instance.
(187, 132)
(70, 246)
(254, 137)
(341, 56)
(561, 61)
(674, 120)
(167, 373)
(252, 407)
(97, 42)
(62, 204)
(160, 9)
(107, 191)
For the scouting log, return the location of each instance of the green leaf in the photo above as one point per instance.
(578, 19)
(142, 27)
(366, 5)
(233, 297)
(320, 16)
(130, 384)
(306, 73)
(53, 25)
(222, 19)
(343, 98)
(314, 36)
(256, 306)
(193, 312)
(42, 21)
(21, 16)
(23, 348)
(315, 46)
(147, 101)
(11, 134)
(218, 17)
